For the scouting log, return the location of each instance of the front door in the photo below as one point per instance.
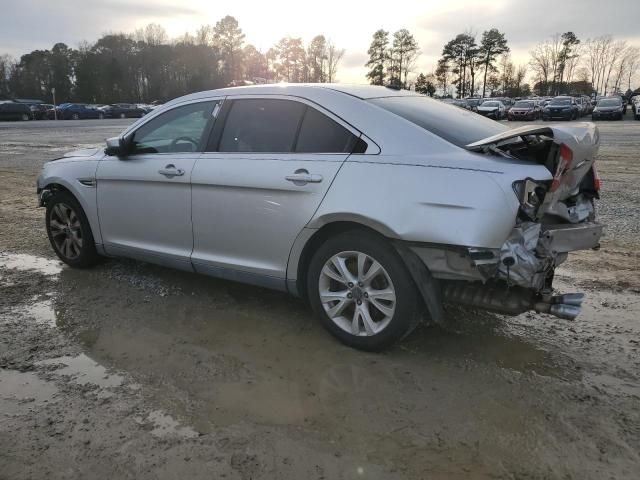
(144, 199)
(271, 161)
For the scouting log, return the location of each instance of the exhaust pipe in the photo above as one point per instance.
(568, 312)
(511, 301)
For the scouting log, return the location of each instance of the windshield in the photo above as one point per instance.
(609, 102)
(560, 101)
(458, 126)
(490, 104)
(523, 105)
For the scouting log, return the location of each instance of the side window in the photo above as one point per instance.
(261, 125)
(178, 130)
(320, 134)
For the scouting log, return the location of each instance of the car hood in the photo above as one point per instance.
(487, 109)
(80, 154)
(525, 110)
(607, 109)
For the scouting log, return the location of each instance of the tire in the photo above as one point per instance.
(24, 117)
(75, 116)
(382, 328)
(77, 254)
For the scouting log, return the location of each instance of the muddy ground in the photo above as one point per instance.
(134, 371)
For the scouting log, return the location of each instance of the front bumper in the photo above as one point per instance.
(558, 115)
(606, 115)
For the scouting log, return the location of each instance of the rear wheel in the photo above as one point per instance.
(75, 116)
(24, 117)
(122, 115)
(362, 292)
(101, 116)
(69, 231)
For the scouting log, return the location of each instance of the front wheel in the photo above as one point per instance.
(69, 231)
(75, 116)
(362, 292)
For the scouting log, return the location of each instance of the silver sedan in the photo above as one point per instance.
(377, 206)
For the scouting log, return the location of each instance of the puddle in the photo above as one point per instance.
(26, 262)
(84, 371)
(42, 312)
(19, 392)
(164, 425)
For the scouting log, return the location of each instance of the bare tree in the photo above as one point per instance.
(334, 55)
(542, 65)
(615, 53)
(597, 53)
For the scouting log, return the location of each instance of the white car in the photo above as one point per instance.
(492, 109)
(375, 205)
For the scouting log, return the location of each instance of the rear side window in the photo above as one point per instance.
(320, 134)
(456, 125)
(261, 125)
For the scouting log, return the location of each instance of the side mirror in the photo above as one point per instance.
(118, 146)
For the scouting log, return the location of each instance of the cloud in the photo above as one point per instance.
(354, 59)
(30, 24)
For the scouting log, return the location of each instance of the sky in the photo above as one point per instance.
(26, 25)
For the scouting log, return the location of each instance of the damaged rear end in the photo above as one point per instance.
(556, 215)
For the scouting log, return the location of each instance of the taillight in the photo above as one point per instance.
(566, 157)
(596, 177)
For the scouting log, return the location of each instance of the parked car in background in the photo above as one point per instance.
(561, 108)
(40, 110)
(457, 209)
(123, 110)
(582, 107)
(473, 103)
(494, 109)
(524, 110)
(608, 108)
(10, 110)
(78, 111)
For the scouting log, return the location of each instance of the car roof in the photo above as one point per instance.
(364, 92)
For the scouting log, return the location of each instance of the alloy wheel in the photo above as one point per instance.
(357, 293)
(66, 230)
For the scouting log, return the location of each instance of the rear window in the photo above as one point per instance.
(458, 126)
(523, 105)
(320, 134)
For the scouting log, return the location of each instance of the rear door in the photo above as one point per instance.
(269, 163)
(144, 199)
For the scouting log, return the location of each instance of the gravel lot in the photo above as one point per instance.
(134, 371)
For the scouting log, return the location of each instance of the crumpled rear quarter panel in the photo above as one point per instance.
(432, 204)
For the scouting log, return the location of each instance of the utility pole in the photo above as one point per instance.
(55, 110)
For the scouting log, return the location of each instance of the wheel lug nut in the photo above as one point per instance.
(359, 302)
(350, 285)
(366, 295)
(349, 295)
(360, 284)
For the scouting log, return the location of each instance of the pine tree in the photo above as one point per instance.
(378, 57)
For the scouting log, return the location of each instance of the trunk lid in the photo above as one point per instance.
(571, 153)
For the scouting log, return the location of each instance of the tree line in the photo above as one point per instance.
(147, 66)
(468, 66)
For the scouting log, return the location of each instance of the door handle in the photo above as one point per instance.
(302, 177)
(171, 171)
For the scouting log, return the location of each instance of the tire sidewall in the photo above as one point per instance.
(408, 305)
(88, 255)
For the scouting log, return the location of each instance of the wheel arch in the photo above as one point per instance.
(310, 240)
(86, 201)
